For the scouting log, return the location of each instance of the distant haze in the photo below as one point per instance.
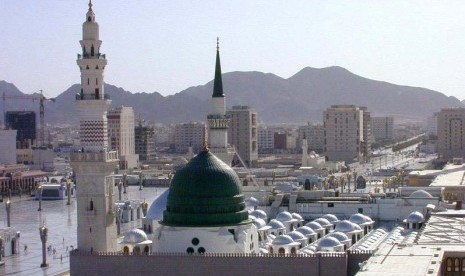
(168, 46)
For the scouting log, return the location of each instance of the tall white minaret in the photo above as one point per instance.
(218, 120)
(93, 165)
(91, 102)
(304, 152)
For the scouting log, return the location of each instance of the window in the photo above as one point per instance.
(201, 250)
(190, 250)
(281, 251)
(195, 241)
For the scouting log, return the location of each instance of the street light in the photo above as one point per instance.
(43, 231)
(8, 213)
(68, 190)
(120, 187)
(125, 182)
(39, 190)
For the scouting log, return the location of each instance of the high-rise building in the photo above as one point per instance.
(187, 135)
(432, 125)
(217, 120)
(24, 122)
(242, 133)
(344, 127)
(367, 140)
(383, 127)
(96, 227)
(265, 140)
(145, 142)
(451, 133)
(121, 135)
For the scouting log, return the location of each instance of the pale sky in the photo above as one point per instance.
(168, 46)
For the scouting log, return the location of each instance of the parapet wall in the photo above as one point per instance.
(110, 263)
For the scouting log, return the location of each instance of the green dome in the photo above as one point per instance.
(205, 192)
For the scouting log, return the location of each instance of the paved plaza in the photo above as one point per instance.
(60, 219)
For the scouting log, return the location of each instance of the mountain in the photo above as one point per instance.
(298, 99)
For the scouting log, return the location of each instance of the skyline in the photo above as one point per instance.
(168, 46)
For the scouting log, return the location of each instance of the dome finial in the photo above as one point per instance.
(90, 4)
(217, 43)
(205, 143)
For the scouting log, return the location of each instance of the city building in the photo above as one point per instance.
(187, 135)
(315, 135)
(265, 140)
(218, 121)
(432, 125)
(121, 136)
(242, 133)
(344, 127)
(383, 128)
(451, 135)
(145, 142)
(24, 122)
(368, 139)
(96, 230)
(8, 146)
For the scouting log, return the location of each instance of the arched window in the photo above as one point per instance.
(293, 250)
(91, 205)
(88, 81)
(126, 250)
(92, 50)
(456, 264)
(271, 250)
(146, 249)
(281, 251)
(89, 18)
(136, 250)
(463, 264)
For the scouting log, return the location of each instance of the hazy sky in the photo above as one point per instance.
(168, 46)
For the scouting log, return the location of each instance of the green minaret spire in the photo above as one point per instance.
(218, 82)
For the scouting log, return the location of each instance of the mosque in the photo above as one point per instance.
(204, 224)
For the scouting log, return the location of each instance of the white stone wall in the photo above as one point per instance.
(8, 146)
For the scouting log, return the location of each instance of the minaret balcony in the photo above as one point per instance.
(87, 56)
(80, 97)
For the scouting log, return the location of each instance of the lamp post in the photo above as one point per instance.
(120, 187)
(39, 190)
(43, 231)
(141, 180)
(1, 251)
(68, 191)
(118, 220)
(125, 182)
(8, 212)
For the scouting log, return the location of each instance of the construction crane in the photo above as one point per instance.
(41, 98)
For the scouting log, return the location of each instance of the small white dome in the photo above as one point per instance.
(259, 223)
(331, 218)
(275, 224)
(323, 222)
(297, 216)
(155, 211)
(314, 225)
(415, 217)
(282, 240)
(420, 194)
(135, 236)
(346, 226)
(295, 235)
(284, 216)
(360, 219)
(259, 214)
(305, 230)
(251, 202)
(326, 242)
(339, 236)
